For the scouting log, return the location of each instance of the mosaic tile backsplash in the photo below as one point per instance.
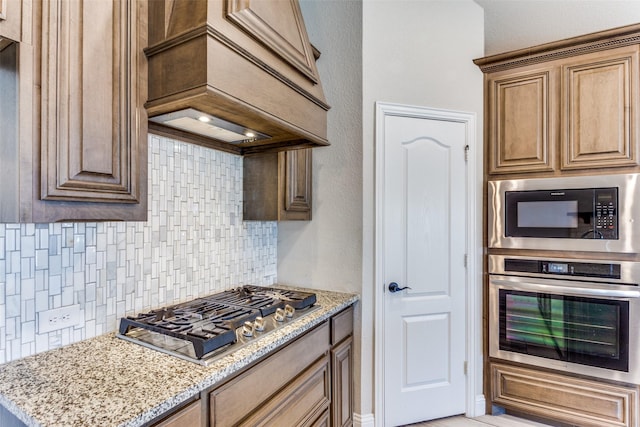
(193, 244)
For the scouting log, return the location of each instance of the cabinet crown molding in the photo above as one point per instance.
(593, 42)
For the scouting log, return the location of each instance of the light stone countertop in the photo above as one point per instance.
(106, 381)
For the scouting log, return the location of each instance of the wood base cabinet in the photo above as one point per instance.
(266, 393)
(307, 383)
(578, 402)
(73, 125)
(190, 415)
(567, 106)
(342, 369)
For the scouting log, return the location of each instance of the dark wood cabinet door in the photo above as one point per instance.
(342, 392)
(91, 120)
(296, 184)
(277, 186)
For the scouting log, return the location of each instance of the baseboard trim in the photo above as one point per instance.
(480, 407)
(363, 420)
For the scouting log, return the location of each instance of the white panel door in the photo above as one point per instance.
(424, 244)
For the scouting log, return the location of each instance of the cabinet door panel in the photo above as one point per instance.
(599, 110)
(277, 186)
(342, 396)
(89, 119)
(521, 126)
(297, 184)
(10, 20)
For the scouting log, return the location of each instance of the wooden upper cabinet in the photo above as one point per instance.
(10, 20)
(295, 174)
(73, 119)
(277, 186)
(599, 110)
(520, 124)
(566, 106)
(90, 123)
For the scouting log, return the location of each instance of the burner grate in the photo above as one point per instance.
(210, 323)
(206, 334)
(267, 300)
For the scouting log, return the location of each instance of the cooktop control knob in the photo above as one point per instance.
(289, 310)
(279, 316)
(247, 329)
(258, 324)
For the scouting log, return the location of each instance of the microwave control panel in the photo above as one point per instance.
(606, 213)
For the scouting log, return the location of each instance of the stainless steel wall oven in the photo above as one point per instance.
(566, 314)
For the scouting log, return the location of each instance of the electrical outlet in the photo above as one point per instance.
(60, 318)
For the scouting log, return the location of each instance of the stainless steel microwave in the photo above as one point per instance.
(593, 214)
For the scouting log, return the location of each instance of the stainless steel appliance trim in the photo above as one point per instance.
(629, 209)
(501, 282)
(560, 287)
(629, 271)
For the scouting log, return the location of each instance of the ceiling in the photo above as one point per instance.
(515, 24)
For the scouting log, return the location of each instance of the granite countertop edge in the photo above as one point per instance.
(198, 378)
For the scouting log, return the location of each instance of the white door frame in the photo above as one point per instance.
(475, 401)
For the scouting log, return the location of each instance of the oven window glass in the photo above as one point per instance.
(548, 214)
(575, 329)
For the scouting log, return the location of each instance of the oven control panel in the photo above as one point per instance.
(564, 268)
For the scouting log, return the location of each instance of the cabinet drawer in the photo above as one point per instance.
(232, 401)
(299, 403)
(189, 416)
(575, 401)
(341, 325)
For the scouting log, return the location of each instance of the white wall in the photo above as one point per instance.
(411, 52)
(511, 25)
(418, 53)
(327, 251)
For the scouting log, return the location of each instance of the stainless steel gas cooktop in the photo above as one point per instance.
(207, 328)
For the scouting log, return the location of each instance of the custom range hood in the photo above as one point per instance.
(237, 75)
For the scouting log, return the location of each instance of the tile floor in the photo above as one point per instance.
(483, 421)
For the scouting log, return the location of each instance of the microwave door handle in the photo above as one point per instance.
(519, 285)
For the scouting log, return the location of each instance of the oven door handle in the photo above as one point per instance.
(553, 288)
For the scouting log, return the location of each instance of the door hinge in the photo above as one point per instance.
(466, 258)
(465, 367)
(466, 152)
